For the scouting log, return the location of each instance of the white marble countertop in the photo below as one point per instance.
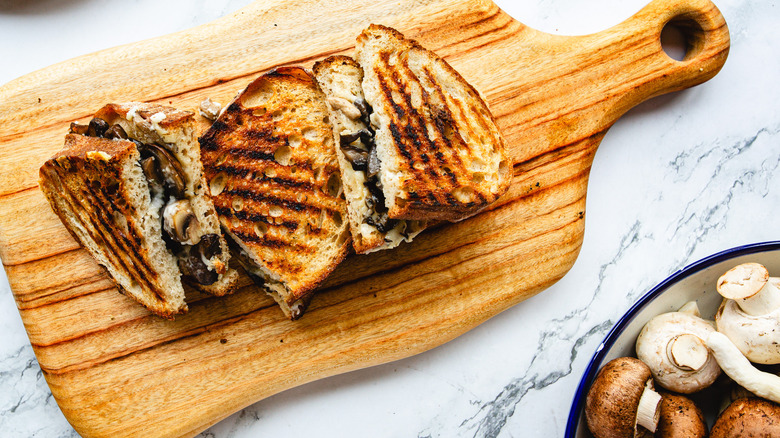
(676, 179)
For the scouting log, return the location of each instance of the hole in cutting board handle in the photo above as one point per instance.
(682, 38)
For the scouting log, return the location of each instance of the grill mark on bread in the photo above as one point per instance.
(448, 119)
(399, 113)
(234, 170)
(255, 217)
(297, 206)
(411, 142)
(481, 122)
(426, 119)
(138, 269)
(442, 121)
(251, 153)
(100, 231)
(272, 242)
(418, 127)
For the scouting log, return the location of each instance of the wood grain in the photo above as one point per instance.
(115, 370)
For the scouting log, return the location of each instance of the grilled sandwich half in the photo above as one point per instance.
(129, 186)
(439, 153)
(372, 230)
(275, 181)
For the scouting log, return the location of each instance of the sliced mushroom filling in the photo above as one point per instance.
(359, 149)
(182, 232)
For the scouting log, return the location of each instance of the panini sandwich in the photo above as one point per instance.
(129, 186)
(417, 143)
(371, 228)
(274, 178)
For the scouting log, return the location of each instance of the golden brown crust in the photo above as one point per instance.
(173, 117)
(87, 189)
(271, 167)
(435, 133)
(320, 66)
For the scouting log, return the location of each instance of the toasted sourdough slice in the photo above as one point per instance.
(203, 255)
(130, 187)
(274, 178)
(99, 191)
(442, 155)
(340, 77)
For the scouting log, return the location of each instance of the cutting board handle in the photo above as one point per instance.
(571, 89)
(648, 69)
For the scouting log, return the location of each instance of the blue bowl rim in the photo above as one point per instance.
(592, 368)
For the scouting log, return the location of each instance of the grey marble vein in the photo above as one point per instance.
(492, 416)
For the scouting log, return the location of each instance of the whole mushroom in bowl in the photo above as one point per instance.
(748, 417)
(673, 345)
(750, 313)
(621, 403)
(680, 418)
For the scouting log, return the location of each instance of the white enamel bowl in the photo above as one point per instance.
(695, 282)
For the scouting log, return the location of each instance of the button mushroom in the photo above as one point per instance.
(748, 417)
(621, 400)
(680, 418)
(180, 223)
(750, 312)
(737, 366)
(673, 347)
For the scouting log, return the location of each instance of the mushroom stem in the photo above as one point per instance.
(739, 368)
(649, 410)
(687, 352)
(748, 284)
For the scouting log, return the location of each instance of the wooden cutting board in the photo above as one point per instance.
(115, 370)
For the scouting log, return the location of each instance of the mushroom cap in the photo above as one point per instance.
(742, 281)
(680, 418)
(757, 337)
(748, 417)
(612, 401)
(651, 348)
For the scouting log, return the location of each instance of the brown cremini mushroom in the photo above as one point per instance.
(621, 402)
(680, 418)
(748, 417)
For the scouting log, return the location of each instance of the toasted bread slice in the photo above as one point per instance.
(442, 155)
(130, 188)
(177, 131)
(274, 178)
(340, 78)
(99, 191)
